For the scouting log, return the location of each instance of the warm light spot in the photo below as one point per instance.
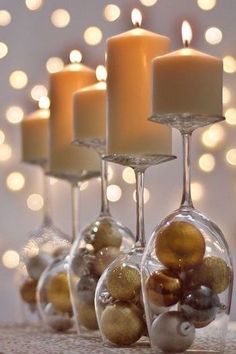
(5, 18)
(5, 152)
(14, 114)
(114, 193)
(15, 181)
(52, 181)
(60, 18)
(186, 33)
(93, 35)
(213, 35)
(44, 102)
(206, 4)
(110, 173)
(35, 202)
(213, 136)
(226, 95)
(128, 175)
(231, 157)
(230, 116)
(146, 196)
(207, 162)
(54, 64)
(229, 64)
(148, 2)
(196, 191)
(111, 12)
(33, 4)
(84, 185)
(101, 73)
(75, 56)
(3, 50)
(2, 137)
(11, 259)
(38, 91)
(18, 79)
(136, 17)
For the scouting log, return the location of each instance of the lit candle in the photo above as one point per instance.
(187, 81)
(64, 157)
(90, 109)
(129, 57)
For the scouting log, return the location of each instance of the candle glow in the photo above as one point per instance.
(186, 33)
(101, 73)
(136, 17)
(75, 56)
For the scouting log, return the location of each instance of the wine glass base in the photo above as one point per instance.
(142, 161)
(84, 176)
(97, 144)
(185, 122)
(36, 162)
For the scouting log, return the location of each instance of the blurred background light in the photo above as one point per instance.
(111, 12)
(15, 181)
(114, 193)
(35, 202)
(10, 259)
(60, 18)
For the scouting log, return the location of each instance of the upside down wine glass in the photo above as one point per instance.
(187, 271)
(118, 298)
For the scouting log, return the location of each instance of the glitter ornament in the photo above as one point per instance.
(87, 315)
(58, 321)
(106, 234)
(58, 292)
(28, 291)
(164, 288)
(122, 323)
(172, 332)
(200, 305)
(82, 263)
(180, 245)
(103, 258)
(123, 282)
(36, 265)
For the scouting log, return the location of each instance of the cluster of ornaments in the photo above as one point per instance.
(183, 293)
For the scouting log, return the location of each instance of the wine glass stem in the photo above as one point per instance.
(186, 197)
(104, 184)
(46, 192)
(75, 188)
(140, 232)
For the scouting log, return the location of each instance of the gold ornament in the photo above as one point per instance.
(28, 291)
(163, 288)
(124, 282)
(122, 323)
(87, 315)
(106, 234)
(58, 292)
(180, 246)
(213, 273)
(104, 257)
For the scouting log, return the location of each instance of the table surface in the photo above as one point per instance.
(36, 340)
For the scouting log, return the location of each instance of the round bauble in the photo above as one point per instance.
(28, 291)
(87, 315)
(58, 292)
(106, 234)
(180, 246)
(36, 265)
(82, 262)
(103, 258)
(124, 282)
(57, 321)
(122, 323)
(163, 288)
(200, 305)
(172, 332)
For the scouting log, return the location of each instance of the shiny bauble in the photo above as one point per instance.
(57, 321)
(172, 332)
(122, 323)
(36, 265)
(103, 258)
(163, 288)
(86, 289)
(200, 305)
(106, 233)
(28, 291)
(180, 246)
(82, 262)
(213, 273)
(58, 292)
(86, 315)
(124, 282)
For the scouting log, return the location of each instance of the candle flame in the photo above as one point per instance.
(44, 102)
(186, 33)
(101, 73)
(136, 17)
(75, 56)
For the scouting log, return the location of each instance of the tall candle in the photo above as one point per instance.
(187, 81)
(129, 57)
(90, 110)
(35, 137)
(64, 157)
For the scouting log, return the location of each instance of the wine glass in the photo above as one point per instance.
(187, 271)
(118, 297)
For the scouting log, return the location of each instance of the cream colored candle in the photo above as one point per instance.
(90, 111)
(35, 137)
(129, 57)
(187, 81)
(64, 157)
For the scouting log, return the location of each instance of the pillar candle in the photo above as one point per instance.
(129, 57)
(187, 81)
(35, 137)
(64, 157)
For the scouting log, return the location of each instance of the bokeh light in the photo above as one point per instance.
(207, 162)
(3, 50)
(213, 35)
(226, 95)
(128, 175)
(18, 79)
(35, 202)
(5, 152)
(148, 2)
(229, 64)
(84, 186)
(15, 181)
(146, 195)
(54, 64)
(111, 12)
(114, 193)
(196, 191)
(60, 18)
(14, 114)
(213, 136)
(2, 137)
(10, 259)
(231, 157)
(33, 4)
(230, 116)
(93, 35)
(5, 18)
(206, 4)
(38, 91)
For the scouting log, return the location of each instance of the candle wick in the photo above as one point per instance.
(137, 25)
(186, 44)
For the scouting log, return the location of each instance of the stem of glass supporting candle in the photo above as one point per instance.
(140, 231)
(186, 197)
(75, 188)
(46, 208)
(104, 183)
